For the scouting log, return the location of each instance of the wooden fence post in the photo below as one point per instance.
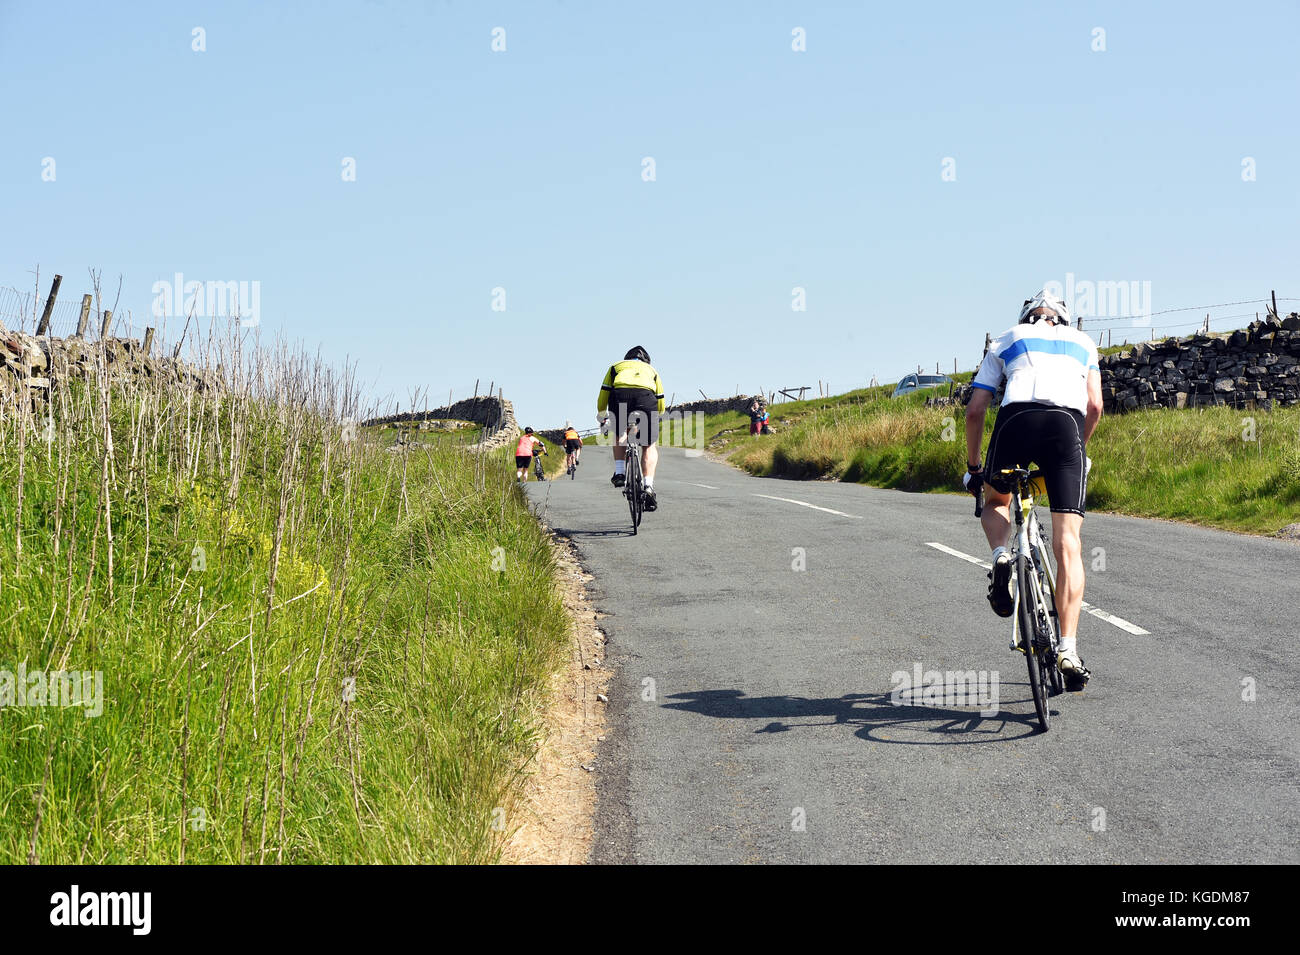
(84, 318)
(44, 325)
(108, 323)
(148, 341)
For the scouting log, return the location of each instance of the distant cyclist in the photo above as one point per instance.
(572, 446)
(1050, 410)
(633, 393)
(528, 446)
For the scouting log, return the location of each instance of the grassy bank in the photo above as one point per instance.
(1192, 465)
(312, 649)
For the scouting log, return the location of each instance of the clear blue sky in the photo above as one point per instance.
(523, 169)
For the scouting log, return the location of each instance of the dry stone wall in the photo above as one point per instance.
(1258, 366)
(31, 366)
(496, 416)
(715, 405)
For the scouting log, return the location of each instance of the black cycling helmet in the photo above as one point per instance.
(638, 353)
(528, 430)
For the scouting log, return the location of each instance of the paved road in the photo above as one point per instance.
(751, 714)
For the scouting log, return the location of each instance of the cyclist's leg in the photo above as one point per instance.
(1006, 450)
(1062, 462)
(996, 519)
(1067, 545)
(648, 435)
(618, 427)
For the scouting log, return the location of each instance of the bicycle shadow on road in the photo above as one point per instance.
(878, 719)
(593, 533)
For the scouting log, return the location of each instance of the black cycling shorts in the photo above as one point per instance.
(522, 461)
(637, 409)
(1027, 433)
(572, 445)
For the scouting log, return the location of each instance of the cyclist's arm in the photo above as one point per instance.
(606, 387)
(980, 400)
(1094, 404)
(983, 387)
(659, 392)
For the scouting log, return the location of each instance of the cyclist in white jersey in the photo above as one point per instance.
(1049, 411)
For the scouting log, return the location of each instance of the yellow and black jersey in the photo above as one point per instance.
(630, 374)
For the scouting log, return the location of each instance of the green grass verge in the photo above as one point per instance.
(1192, 465)
(349, 670)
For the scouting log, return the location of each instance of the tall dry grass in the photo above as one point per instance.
(313, 649)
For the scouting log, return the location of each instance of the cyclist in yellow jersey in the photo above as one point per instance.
(634, 394)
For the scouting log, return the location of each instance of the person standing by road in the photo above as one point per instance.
(1050, 409)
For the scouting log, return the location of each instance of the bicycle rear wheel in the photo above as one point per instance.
(633, 486)
(1028, 603)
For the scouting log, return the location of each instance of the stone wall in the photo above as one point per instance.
(31, 366)
(716, 405)
(495, 415)
(1258, 366)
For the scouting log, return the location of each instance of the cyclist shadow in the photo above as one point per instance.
(876, 716)
(588, 532)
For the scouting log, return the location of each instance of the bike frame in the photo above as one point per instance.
(1031, 541)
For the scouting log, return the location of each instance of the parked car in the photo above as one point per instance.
(911, 383)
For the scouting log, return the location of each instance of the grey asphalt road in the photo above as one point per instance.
(751, 718)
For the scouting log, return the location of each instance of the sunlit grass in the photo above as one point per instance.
(1210, 465)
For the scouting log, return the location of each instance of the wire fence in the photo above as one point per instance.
(21, 311)
(1135, 328)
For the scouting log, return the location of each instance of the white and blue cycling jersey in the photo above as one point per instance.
(1040, 362)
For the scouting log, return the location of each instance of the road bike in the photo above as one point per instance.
(1036, 628)
(634, 486)
(572, 469)
(537, 467)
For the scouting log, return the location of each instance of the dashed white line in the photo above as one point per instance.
(693, 484)
(956, 553)
(790, 500)
(1087, 607)
(1112, 619)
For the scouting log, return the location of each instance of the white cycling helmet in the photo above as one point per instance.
(1045, 299)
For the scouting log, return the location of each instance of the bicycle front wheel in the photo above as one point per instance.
(1028, 619)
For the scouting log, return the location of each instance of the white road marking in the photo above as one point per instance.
(790, 500)
(693, 484)
(1117, 621)
(956, 553)
(1087, 607)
